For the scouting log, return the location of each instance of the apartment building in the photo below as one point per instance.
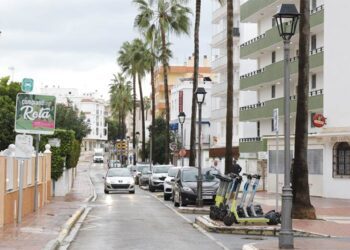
(328, 149)
(176, 72)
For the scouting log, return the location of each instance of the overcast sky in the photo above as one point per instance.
(74, 43)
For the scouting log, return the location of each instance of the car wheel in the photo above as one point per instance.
(106, 191)
(182, 204)
(166, 197)
(132, 192)
(151, 188)
(176, 204)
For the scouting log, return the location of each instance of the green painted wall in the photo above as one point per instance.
(253, 147)
(252, 6)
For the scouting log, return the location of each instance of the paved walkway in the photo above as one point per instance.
(37, 229)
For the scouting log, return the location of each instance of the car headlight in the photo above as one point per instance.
(132, 182)
(108, 180)
(155, 178)
(187, 189)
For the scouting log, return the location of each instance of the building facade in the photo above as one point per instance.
(328, 148)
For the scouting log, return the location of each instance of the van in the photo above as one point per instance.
(98, 155)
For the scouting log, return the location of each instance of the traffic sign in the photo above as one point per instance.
(27, 85)
(24, 147)
(55, 142)
(173, 146)
(275, 120)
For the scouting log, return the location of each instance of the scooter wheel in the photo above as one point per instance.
(229, 219)
(213, 213)
(222, 214)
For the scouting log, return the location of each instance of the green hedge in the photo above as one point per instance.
(65, 155)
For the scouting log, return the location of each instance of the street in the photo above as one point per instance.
(142, 221)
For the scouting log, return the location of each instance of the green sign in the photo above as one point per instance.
(35, 114)
(27, 85)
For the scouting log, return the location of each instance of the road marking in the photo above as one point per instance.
(193, 224)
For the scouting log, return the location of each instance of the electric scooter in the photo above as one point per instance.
(241, 210)
(220, 198)
(270, 218)
(254, 210)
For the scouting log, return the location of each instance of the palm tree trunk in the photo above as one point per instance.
(229, 110)
(134, 118)
(166, 94)
(143, 120)
(302, 208)
(195, 85)
(153, 109)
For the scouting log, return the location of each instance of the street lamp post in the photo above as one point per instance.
(137, 145)
(128, 140)
(182, 117)
(200, 95)
(287, 20)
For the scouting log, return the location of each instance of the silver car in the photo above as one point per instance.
(119, 179)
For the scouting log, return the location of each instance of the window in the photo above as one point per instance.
(272, 125)
(258, 128)
(313, 81)
(341, 159)
(273, 56)
(313, 42)
(273, 91)
(311, 119)
(314, 4)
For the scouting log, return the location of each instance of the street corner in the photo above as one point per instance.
(219, 227)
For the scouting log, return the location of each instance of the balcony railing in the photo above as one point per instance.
(221, 36)
(275, 71)
(264, 110)
(219, 62)
(252, 145)
(252, 6)
(271, 36)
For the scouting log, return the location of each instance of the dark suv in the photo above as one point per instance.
(185, 186)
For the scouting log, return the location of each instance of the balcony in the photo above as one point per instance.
(264, 110)
(219, 62)
(252, 145)
(217, 114)
(271, 37)
(219, 39)
(219, 13)
(221, 87)
(274, 71)
(252, 6)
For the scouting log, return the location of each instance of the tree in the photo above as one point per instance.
(126, 61)
(195, 85)
(159, 129)
(164, 16)
(229, 105)
(8, 93)
(302, 207)
(121, 103)
(69, 118)
(147, 103)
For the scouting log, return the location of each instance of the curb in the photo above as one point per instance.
(218, 227)
(69, 224)
(193, 210)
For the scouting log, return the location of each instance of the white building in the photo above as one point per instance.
(219, 91)
(181, 101)
(92, 105)
(328, 149)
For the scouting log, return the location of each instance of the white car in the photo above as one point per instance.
(119, 179)
(156, 180)
(169, 182)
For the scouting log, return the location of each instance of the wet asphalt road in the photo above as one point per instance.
(141, 221)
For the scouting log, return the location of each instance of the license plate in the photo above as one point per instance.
(207, 197)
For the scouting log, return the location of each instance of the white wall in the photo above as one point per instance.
(336, 64)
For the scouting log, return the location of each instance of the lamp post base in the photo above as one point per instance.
(286, 237)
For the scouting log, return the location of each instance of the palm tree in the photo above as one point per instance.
(229, 105)
(302, 207)
(147, 103)
(163, 16)
(127, 63)
(121, 100)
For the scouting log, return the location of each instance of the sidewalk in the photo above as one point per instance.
(333, 220)
(37, 229)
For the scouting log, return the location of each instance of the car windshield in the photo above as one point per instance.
(172, 172)
(122, 172)
(145, 171)
(140, 168)
(98, 154)
(190, 175)
(161, 169)
(131, 168)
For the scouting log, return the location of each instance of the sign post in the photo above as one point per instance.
(35, 114)
(23, 151)
(276, 128)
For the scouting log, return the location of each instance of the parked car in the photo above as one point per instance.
(159, 173)
(114, 164)
(185, 186)
(119, 179)
(98, 155)
(144, 177)
(169, 182)
(139, 168)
